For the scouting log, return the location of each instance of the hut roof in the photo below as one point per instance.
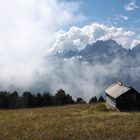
(117, 89)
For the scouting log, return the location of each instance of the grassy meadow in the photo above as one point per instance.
(74, 122)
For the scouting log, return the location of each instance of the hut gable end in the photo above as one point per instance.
(122, 97)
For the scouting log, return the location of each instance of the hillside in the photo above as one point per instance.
(76, 122)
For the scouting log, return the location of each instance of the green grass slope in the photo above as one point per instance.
(76, 122)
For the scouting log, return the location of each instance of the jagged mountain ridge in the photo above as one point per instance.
(108, 49)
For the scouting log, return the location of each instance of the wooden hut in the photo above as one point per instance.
(122, 97)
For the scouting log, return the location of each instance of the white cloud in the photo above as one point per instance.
(131, 6)
(135, 42)
(78, 38)
(26, 30)
(121, 17)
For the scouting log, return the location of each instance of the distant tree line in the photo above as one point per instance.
(28, 100)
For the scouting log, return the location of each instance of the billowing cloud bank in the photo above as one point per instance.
(26, 30)
(131, 5)
(78, 38)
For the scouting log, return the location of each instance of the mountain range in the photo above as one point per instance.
(122, 64)
(101, 50)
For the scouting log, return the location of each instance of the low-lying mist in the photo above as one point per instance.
(83, 79)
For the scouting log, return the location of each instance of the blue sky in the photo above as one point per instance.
(112, 12)
(102, 20)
